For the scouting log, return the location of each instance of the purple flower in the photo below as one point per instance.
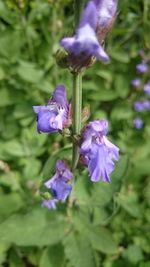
(97, 152)
(50, 203)
(136, 82)
(138, 123)
(138, 106)
(142, 105)
(55, 115)
(147, 88)
(85, 40)
(58, 184)
(146, 104)
(142, 67)
(106, 10)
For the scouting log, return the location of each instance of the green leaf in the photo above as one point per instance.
(36, 228)
(78, 250)
(102, 240)
(28, 72)
(133, 254)
(145, 264)
(122, 113)
(3, 252)
(120, 56)
(104, 95)
(52, 257)
(13, 202)
(7, 97)
(130, 204)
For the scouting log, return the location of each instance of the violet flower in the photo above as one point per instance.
(106, 10)
(97, 152)
(50, 203)
(58, 184)
(138, 106)
(146, 104)
(138, 123)
(85, 40)
(55, 115)
(142, 105)
(142, 67)
(147, 88)
(136, 82)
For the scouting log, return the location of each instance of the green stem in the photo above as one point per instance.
(77, 93)
(77, 115)
(78, 7)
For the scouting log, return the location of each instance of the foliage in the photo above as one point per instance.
(106, 224)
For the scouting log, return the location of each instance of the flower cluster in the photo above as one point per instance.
(96, 21)
(142, 85)
(97, 153)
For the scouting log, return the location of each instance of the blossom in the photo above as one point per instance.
(138, 106)
(85, 40)
(55, 115)
(138, 123)
(50, 203)
(136, 82)
(106, 10)
(58, 184)
(146, 105)
(147, 88)
(142, 67)
(142, 105)
(97, 152)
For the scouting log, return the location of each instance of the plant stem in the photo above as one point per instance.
(77, 114)
(78, 7)
(77, 93)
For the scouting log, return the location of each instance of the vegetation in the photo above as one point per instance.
(108, 225)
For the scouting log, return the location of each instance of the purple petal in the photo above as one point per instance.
(58, 183)
(61, 189)
(100, 126)
(147, 88)
(106, 11)
(86, 145)
(138, 123)
(38, 109)
(50, 203)
(136, 82)
(67, 43)
(60, 96)
(85, 41)
(146, 105)
(43, 122)
(63, 170)
(101, 54)
(138, 106)
(100, 164)
(89, 16)
(142, 67)
(113, 150)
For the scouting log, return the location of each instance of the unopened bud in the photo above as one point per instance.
(61, 57)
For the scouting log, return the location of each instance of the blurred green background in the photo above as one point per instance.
(109, 225)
